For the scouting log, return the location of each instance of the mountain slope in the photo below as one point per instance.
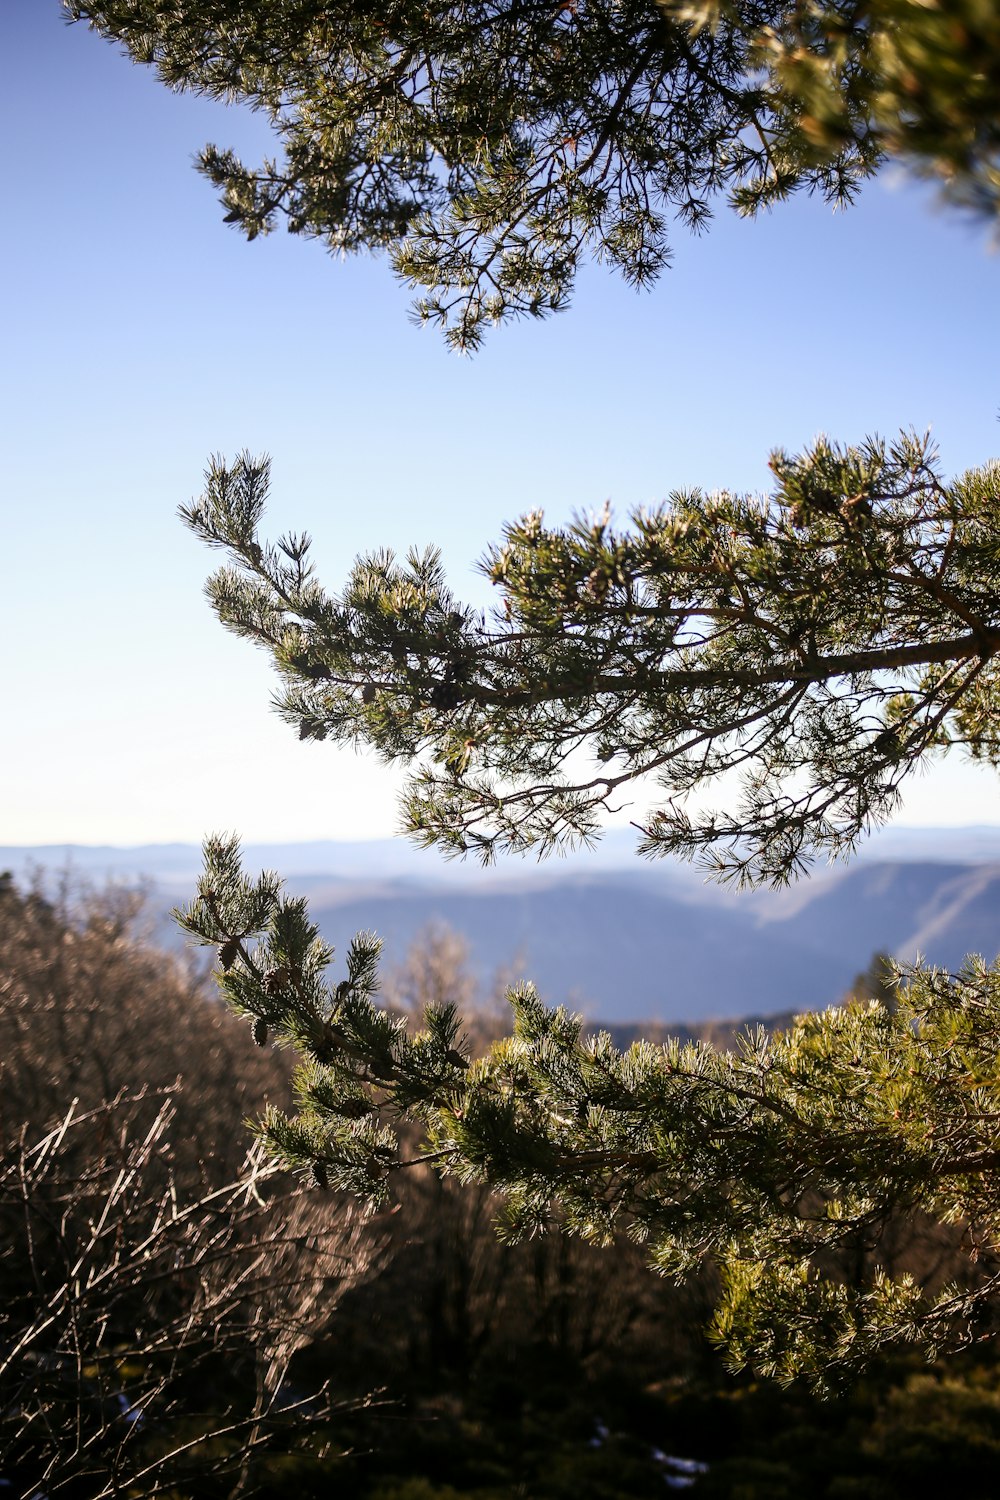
(641, 942)
(612, 950)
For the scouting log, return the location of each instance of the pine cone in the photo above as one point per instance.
(228, 953)
(275, 980)
(445, 695)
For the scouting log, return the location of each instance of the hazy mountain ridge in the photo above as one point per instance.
(619, 951)
(609, 949)
(395, 858)
(619, 943)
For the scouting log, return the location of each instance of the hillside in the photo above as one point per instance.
(624, 943)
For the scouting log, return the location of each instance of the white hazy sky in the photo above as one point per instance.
(141, 335)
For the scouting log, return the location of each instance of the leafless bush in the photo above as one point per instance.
(156, 1281)
(147, 1330)
(89, 1011)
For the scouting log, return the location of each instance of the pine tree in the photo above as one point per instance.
(823, 641)
(488, 144)
(788, 1162)
(829, 640)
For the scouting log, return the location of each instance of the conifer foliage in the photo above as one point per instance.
(486, 146)
(924, 77)
(782, 1161)
(820, 643)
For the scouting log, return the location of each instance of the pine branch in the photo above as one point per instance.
(769, 1160)
(830, 638)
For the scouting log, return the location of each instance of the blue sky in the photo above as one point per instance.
(141, 335)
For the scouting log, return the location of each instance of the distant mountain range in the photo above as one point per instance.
(624, 942)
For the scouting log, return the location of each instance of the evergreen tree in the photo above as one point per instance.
(488, 144)
(788, 1161)
(823, 641)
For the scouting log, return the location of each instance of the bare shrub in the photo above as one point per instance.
(88, 1010)
(147, 1330)
(157, 1280)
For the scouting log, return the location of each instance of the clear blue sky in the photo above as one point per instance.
(141, 335)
